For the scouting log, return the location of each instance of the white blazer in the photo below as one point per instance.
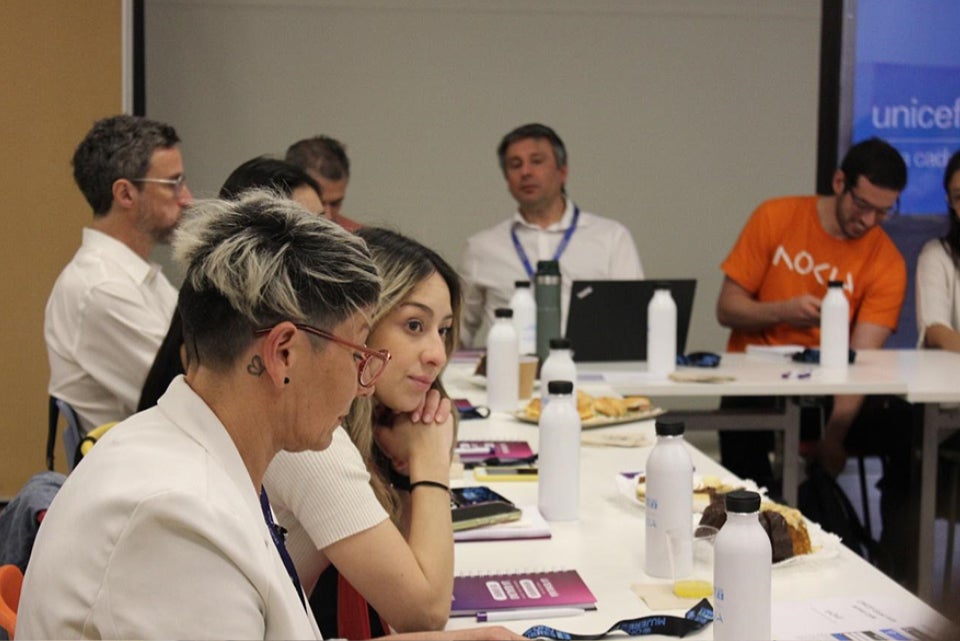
(159, 533)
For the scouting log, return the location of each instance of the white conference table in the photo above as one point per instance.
(756, 376)
(929, 378)
(606, 544)
(933, 381)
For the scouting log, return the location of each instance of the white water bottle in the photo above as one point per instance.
(559, 366)
(503, 363)
(524, 316)
(661, 334)
(669, 502)
(834, 328)
(741, 572)
(558, 461)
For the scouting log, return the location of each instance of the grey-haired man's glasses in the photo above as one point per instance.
(177, 183)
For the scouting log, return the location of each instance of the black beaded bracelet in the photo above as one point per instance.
(435, 484)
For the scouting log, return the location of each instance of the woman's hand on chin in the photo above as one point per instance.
(433, 409)
(410, 443)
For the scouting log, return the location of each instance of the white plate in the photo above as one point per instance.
(627, 486)
(826, 545)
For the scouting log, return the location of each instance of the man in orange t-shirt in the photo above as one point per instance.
(776, 275)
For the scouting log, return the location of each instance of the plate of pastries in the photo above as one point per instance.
(599, 411)
(793, 538)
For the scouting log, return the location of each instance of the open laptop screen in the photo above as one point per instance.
(607, 319)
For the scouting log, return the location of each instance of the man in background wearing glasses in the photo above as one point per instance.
(110, 307)
(775, 278)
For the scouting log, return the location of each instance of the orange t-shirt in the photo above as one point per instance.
(783, 251)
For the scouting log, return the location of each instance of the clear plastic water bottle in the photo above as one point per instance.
(661, 334)
(558, 463)
(559, 366)
(669, 502)
(742, 563)
(834, 328)
(503, 363)
(524, 316)
(548, 305)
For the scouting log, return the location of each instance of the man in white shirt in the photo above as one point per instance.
(110, 307)
(546, 226)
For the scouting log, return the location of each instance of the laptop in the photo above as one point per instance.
(607, 319)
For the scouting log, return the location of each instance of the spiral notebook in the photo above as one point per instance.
(475, 594)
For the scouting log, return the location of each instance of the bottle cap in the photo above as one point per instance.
(834, 283)
(670, 428)
(742, 501)
(560, 387)
(503, 312)
(560, 343)
(548, 267)
(520, 284)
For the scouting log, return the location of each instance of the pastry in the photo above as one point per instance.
(784, 525)
(638, 403)
(591, 407)
(797, 524)
(609, 406)
(585, 406)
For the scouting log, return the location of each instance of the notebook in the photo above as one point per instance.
(531, 525)
(473, 453)
(607, 319)
(476, 594)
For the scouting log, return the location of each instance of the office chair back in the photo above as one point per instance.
(11, 581)
(72, 433)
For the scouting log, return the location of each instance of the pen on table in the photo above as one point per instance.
(527, 614)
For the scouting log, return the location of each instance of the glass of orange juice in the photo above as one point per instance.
(694, 580)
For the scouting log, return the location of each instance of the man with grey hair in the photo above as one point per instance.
(546, 226)
(110, 307)
(178, 536)
(325, 160)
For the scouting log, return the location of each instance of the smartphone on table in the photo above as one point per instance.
(478, 505)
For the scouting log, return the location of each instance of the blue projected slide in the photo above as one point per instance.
(907, 89)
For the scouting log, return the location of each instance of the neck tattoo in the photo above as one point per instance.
(256, 366)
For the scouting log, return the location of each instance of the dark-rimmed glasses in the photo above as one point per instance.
(371, 362)
(866, 207)
(176, 183)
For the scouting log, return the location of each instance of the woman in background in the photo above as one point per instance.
(938, 287)
(387, 528)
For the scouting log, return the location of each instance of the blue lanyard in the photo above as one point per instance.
(673, 626)
(556, 256)
(277, 533)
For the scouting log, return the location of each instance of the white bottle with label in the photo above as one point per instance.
(503, 363)
(558, 461)
(669, 502)
(559, 366)
(524, 316)
(834, 329)
(661, 334)
(741, 572)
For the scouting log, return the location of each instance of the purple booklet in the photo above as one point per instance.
(472, 452)
(478, 594)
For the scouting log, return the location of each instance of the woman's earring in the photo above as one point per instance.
(286, 381)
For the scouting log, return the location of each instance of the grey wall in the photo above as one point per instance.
(679, 116)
